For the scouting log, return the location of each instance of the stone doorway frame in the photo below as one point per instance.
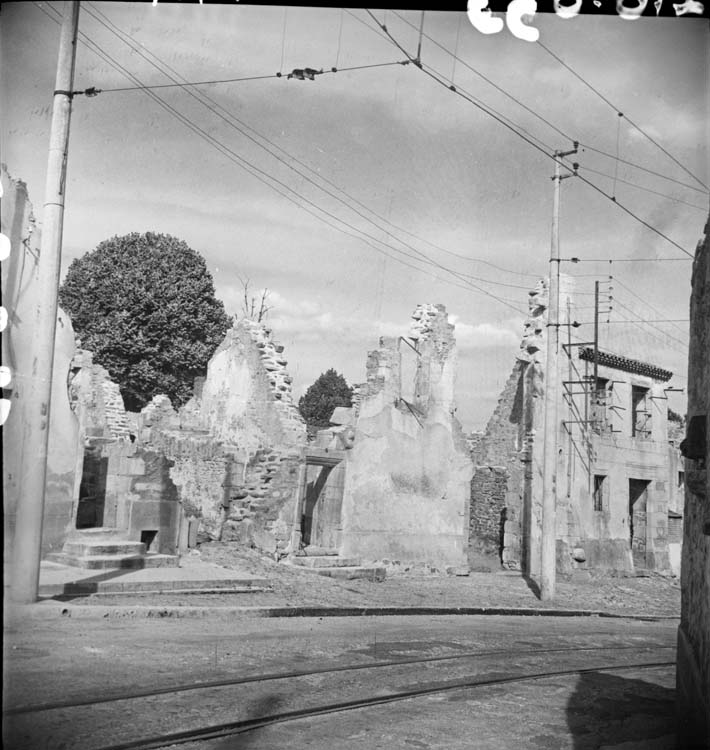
(310, 457)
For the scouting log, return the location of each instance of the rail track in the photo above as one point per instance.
(185, 713)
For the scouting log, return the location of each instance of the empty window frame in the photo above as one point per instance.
(640, 412)
(600, 397)
(599, 488)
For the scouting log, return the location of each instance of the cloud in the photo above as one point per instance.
(484, 335)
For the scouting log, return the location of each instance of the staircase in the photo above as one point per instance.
(105, 549)
(326, 562)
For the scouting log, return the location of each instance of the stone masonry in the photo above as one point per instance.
(237, 444)
(693, 670)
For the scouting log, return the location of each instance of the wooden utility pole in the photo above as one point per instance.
(27, 540)
(549, 475)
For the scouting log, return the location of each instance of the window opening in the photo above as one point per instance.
(599, 492)
(640, 414)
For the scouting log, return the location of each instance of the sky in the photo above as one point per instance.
(356, 196)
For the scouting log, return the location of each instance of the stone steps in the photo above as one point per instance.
(115, 561)
(350, 572)
(108, 549)
(325, 561)
(98, 547)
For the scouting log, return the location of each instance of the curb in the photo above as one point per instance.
(58, 609)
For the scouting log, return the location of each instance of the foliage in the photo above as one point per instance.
(328, 391)
(673, 416)
(145, 305)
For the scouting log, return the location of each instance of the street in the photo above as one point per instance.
(422, 682)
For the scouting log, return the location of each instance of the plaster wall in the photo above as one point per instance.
(406, 490)
(20, 299)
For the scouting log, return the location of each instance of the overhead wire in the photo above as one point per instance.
(639, 320)
(268, 179)
(435, 75)
(238, 80)
(531, 111)
(588, 147)
(646, 303)
(140, 49)
(635, 185)
(621, 114)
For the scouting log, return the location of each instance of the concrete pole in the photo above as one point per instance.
(548, 562)
(549, 474)
(27, 542)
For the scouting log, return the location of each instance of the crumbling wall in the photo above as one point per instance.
(489, 509)
(502, 444)
(19, 295)
(407, 475)
(693, 669)
(236, 445)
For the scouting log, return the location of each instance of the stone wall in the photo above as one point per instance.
(693, 669)
(489, 488)
(407, 476)
(237, 444)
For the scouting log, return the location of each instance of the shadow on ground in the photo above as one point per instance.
(607, 710)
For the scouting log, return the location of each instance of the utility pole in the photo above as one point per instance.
(27, 541)
(549, 475)
(596, 340)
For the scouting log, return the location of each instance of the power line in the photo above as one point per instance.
(266, 178)
(537, 114)
(140, 50)
(622, 260)
(658, 320)
(461, 93)
(644, 302)
(621, 114)
(238, 80)
(641, 187)
(587, 147)
(639, 320)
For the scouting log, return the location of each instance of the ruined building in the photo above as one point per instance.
(390, 480)
(617, 489)
(693, 670)
(226, 465)
(405, 495)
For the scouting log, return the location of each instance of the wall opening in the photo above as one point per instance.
(92, 491)
(599, 487)
(638, 498)
(640, 412)
(148, 537)
(600, 397)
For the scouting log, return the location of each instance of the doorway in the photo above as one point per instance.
(92, 492)
(322, 500)
(638, 499)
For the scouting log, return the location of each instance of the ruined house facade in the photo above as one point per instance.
(693, 669)
(390, 480)
(618, 477)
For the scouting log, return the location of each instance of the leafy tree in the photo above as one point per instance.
(673, 416)
(316, 405)
(145, 305)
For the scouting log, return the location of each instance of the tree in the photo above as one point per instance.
(145, 305)
(254, 308)
(316, 405)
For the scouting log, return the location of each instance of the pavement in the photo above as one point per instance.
(192, 575)
(252, 586)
